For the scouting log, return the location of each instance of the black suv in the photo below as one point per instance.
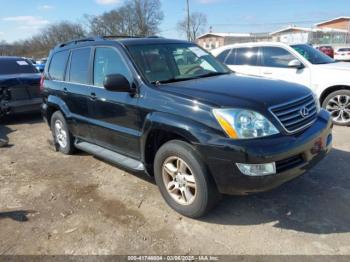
(170, 109)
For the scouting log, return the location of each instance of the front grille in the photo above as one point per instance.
(290, 114)
(289, 163)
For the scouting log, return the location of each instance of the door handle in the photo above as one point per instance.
(267, 73)
(93, 96)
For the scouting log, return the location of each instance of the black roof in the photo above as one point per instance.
(126, 41)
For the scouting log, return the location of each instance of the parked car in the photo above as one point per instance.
(19, 86)
(327, 50)
(300, 64)
(40, 64)
(200, 130)
(342, 54)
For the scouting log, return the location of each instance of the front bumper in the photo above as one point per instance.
(293, 155)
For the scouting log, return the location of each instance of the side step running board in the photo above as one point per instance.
(110, 156)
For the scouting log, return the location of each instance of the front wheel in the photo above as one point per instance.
(183, 180)
(338, 104)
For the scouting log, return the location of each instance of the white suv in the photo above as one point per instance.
(300, 64)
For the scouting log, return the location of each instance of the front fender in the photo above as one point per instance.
(193, 131)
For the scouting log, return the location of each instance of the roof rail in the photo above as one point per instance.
(119, 36)
(77, 41)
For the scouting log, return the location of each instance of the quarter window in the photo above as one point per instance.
(107, 62)
(276, 57)
(223, 55)
(58, 65)
(79, 67)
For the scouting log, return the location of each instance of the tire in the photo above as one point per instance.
(63, 139)
(198, 181)
(338, 99)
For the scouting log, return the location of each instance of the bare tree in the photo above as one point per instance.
(40, 44)
(193, 27)
(134, 18)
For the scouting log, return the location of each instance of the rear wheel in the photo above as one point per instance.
(62, 137)
(183, 180)
(338, 104)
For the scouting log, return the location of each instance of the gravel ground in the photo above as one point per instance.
(56, 204)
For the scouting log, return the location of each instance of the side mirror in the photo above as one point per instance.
(116, 83)
(295, 64)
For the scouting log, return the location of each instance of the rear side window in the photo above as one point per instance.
(222, 56)
(247, 56)
(276, 57)
(243, 56)
(58, 65)
(108, 61)
(79, 66)
(16, 66)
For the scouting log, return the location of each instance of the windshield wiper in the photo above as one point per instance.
(171, 80)
(213, 74)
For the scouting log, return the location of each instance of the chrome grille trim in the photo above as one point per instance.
(288, 114)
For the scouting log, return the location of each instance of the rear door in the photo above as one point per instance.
(275, 62)
(244, 60)
(76, 92)
(115, 114)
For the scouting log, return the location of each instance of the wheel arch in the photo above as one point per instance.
(332, 89)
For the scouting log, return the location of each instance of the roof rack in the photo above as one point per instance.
(120, 36)
(96, 38)
(76, 41)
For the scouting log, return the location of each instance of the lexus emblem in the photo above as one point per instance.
(304, 112)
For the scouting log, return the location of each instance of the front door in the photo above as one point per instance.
(275, 62)
(115, 114)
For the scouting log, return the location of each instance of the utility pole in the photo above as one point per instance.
(188, 21)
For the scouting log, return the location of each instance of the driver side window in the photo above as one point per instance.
(108, 61)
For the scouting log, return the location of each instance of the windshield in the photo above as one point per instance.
(165, 63)
(16, 66)
(313, 55)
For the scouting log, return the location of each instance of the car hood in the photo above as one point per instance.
(336, 66)
(233, 90)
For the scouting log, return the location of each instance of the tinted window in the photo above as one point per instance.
(230, 60)
(243, 56)
(16, 66)
(222, 56)
(276, 57)
(108, 61)
(344, 50)
(79, 67)
(58, 65)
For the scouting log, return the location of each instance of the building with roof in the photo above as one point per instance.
(212, 40)
(339, 23)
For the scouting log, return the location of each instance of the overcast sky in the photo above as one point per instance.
(20, 19)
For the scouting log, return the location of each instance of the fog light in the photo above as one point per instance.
(257, 169)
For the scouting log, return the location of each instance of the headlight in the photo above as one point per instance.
(244, 124)
(317, 102)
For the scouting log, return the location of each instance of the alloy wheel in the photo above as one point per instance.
(61, 134)
(339, 107)
(179, 180)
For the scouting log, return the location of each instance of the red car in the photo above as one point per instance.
(328, 50)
